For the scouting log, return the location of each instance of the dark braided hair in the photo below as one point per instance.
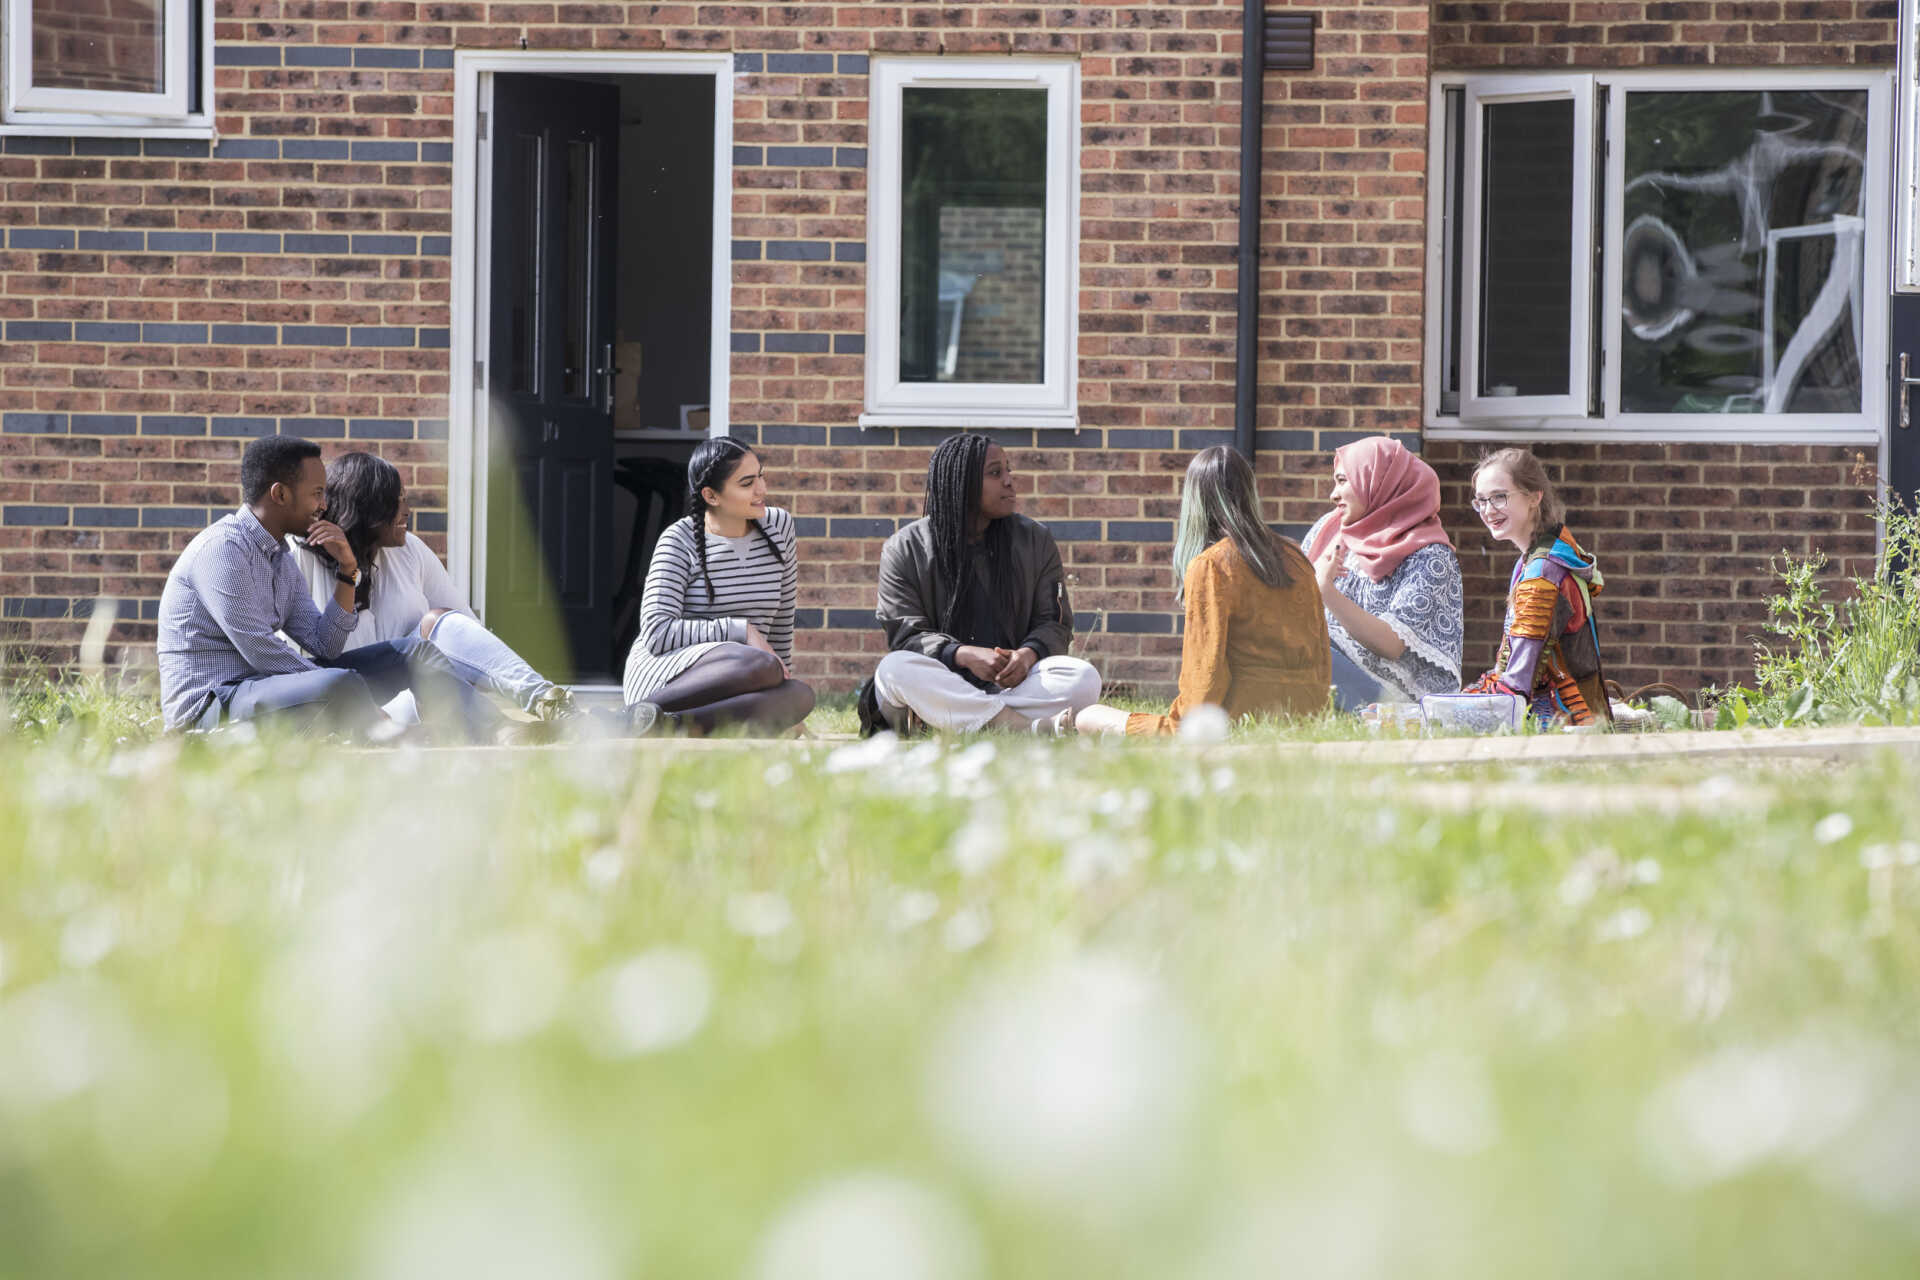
(953, 500)
(363, 497)
(713, 463)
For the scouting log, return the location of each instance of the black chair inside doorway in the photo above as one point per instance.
(658, 488)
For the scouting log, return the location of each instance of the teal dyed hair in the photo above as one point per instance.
(1218, 500)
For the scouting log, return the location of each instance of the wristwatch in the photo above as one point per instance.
(351, 579)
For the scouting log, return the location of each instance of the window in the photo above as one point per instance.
(973, 193)
(1655, 255)
(75, 64)
(1906, 274)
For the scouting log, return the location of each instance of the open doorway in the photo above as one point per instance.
(594, 337)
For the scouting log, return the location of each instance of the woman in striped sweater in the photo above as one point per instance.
(716, 622)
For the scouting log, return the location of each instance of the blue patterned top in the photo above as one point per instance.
(1421, 601)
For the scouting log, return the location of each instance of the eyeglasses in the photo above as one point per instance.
(1496, 501)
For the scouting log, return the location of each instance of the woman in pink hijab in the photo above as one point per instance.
(1388, 577)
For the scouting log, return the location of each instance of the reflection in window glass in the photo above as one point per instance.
(973, 165)
(525, 289)
(1526, 255)
(1742, 258)
(112, 46)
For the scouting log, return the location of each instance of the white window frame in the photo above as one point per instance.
(1906, 214)
(25, 109)
(1507, 90)
(1866, 427)
(1047, 403)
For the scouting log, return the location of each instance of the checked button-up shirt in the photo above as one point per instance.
(232, 588)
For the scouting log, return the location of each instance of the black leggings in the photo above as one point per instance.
(735, 684)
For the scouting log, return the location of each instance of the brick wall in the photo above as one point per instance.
(162, 301)
(1594, 34)
(1684, 533)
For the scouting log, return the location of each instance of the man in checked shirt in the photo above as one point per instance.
(236, 585)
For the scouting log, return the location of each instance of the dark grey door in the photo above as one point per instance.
(550, 375)
(1903, 453)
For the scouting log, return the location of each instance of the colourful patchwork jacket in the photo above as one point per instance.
(1550, 654)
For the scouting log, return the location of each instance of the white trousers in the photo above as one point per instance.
(944, 700)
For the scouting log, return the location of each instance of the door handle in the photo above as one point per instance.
(1907, 383)
(605, 373)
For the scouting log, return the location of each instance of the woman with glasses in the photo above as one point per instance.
(1550, 654)
(1388, 577)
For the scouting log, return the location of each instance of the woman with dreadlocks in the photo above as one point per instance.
(975, 611)
(716, 621)
(1256, 639)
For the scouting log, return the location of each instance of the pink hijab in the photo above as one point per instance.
(1402, 497)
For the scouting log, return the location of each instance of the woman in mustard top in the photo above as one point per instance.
(1256, 636)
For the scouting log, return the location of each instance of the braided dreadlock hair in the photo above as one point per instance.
(953, 500)
(713, 463)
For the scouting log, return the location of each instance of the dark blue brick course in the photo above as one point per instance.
(173, 333)
(174, 518)
(436, 246)
(378, 336)
(166, 424)
(1074, 530)
(313, 149)
(40, 238)
(1136, 624)
(245, 335)
(180, 148)
(308, 243)
(106, 147)
(436, 59)
(318, 56)
(1140, 531)
(106, 517)
(849, 344)
(246, 242)
(813, 157)
(850, 157)
(314, 428)
(799, 343)
(114, 241)
(744, 342)
(386, 151)
(403, 58)
(313, 335)
(788, 434)
(748, 63)
(800, 64)
(861, 527)
(436, 339)
(246, 55)
(430, 521)
(436, 152)
(853, 64)
(247, 149)
(245, 427)
(852, 619)
(849, 252)
(431, 429)
(380, 429)
(104, 424)
(799, 250)
(179, 241)
(1198, 438)
(38, 607)
(385, 244)
(39, 331)
(1137, 438)
(33, 424)
(39, 146)
(36, 515)
(809, 527)
(1283, 440)
(746, 250)
(748, 157)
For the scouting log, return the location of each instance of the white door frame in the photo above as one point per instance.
(472, 226)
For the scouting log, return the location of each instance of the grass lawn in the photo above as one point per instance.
(948, 1010)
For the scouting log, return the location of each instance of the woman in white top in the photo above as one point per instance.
(403, 588)
(716, 622)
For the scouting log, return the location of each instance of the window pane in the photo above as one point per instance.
(108, 45)
(1526, 255)
(526, 289)
(1733, 199)
(973, 196)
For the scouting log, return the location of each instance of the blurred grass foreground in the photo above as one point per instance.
(928, 1011)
